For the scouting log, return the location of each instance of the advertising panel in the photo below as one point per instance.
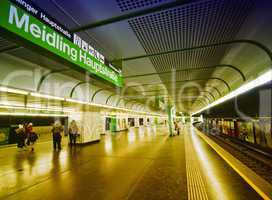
(4, 136)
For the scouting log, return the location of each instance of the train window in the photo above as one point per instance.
(269, 134)
(131, 122)
(245, 130)
(265, 130)
(257, 132)
(141, 121)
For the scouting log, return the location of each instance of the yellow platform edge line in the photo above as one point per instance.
(261, 186)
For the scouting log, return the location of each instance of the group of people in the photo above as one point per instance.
(57, 134)
(26, 136)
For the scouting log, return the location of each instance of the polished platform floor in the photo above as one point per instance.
(143, 163)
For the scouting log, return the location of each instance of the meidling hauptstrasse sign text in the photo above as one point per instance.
(31, 23)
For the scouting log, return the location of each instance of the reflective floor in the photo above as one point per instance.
(142, 163)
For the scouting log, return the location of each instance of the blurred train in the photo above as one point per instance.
(256, 132)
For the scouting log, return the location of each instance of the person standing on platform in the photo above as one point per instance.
(20, 131)
(178, 127)
(57, 130)
(31, 136)
(73, 132)
(28, 130)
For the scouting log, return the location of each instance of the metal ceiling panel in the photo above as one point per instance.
(198, 23)
(128, 5)
(195, 24)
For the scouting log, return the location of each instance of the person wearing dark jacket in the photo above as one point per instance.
(21, 136)
(31, 136)
(56, 131)
(73, 132)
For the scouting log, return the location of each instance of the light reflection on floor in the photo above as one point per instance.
(108, 144)
(141, 132)
(131, 135)
(111, 167)
(208, 167)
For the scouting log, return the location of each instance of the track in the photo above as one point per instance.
(254, 159)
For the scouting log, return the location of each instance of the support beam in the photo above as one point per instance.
(143, 97)
(207, 92)
(182, 81)
(140, 106)
(25, 100)
(42, 79)
(119, 100)
(198, 104)
(215, 88)
(76, 22)
(127, 103)
(201, 100)
(167, 96)
(206, 86)
(107, 100)
(95, 93)
(203, 97)
(155, 90)
(131, 15)
(252, 42)
(211, 94)
(75, 86)
(193, 69)
(62, 106)
(197, 100)
(137, 106)
(208, 100)
(135, 103)
(10, 48)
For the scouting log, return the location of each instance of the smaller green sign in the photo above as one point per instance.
(113, 125)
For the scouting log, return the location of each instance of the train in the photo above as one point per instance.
(257, 131)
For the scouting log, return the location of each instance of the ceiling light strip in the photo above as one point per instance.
(46, 96)
(32, 114)
(35, 108)
(261, 80)
(11, 90)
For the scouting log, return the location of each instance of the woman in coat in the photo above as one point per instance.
(73, 132)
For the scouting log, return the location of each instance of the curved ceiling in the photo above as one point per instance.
(186, 41)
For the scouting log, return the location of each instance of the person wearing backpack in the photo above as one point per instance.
(56, 131)
(20, 131)
(32, 137)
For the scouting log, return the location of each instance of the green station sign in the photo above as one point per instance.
(30, 23)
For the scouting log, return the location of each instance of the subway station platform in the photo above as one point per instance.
(142, 163)
(122, 77)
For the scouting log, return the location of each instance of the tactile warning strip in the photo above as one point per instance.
(195, 182)
(262, 187)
